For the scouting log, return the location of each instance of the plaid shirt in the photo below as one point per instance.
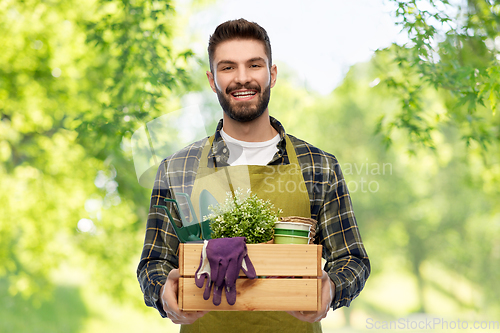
(347, 263)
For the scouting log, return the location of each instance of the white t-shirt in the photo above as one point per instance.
(250, 153)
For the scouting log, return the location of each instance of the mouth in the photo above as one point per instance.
(243, 95)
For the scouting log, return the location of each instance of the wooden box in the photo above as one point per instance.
(278, 291)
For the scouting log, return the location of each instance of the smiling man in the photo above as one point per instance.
(242, 75)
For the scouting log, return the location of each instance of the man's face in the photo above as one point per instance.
(242, 79)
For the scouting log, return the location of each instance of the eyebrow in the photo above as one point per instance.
(256, 59)
(230, 62)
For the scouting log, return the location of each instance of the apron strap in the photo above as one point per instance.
(290, 150)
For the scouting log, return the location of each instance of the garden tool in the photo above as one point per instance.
(191, 230)
(186, 233)
(206, 200)
(194, 218)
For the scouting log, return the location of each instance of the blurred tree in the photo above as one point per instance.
(454, 47)
(76, 78)
(415, 213)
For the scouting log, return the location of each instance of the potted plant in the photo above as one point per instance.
(244, 215)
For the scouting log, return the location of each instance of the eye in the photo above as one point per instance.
(254, 66)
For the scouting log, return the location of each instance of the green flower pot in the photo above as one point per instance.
(289, 239)
(291, 232)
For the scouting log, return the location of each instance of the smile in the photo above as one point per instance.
(243, 95)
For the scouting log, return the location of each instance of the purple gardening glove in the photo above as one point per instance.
(226, 256)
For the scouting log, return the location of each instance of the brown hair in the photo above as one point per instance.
(238, 29)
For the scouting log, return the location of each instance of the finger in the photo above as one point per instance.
(220, 273)
(169, 300)
(308, 316)
(232, 272)
(217, 294)
(199, 278)
(248, 268)
(183, 321)
(192, 315)
(169, 293)
(311, 318)
(208, 288)
(231, 295)
(187, 318)
(299, 315)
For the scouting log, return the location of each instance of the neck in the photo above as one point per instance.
(257, 130)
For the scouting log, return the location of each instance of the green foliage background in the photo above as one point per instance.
(415, 131)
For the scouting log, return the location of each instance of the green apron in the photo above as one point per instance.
(284, 186)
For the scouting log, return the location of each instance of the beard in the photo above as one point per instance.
(246, 110)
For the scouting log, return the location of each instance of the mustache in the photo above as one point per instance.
(248, 86)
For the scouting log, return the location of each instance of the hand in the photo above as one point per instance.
(327, 295)
(168, 296)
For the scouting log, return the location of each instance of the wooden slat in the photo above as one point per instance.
(180, 296)
(181, 258)
(256, 295)
(319, 293)
(319, 253)
(267, 259)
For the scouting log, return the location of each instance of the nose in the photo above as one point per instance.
(242, 75)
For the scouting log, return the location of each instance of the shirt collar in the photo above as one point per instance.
(220, 153)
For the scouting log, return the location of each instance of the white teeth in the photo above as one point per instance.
(244, 93)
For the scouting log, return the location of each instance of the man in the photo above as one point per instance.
(242, 75)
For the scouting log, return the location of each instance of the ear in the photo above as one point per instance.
(274, 75)
(211, 80)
